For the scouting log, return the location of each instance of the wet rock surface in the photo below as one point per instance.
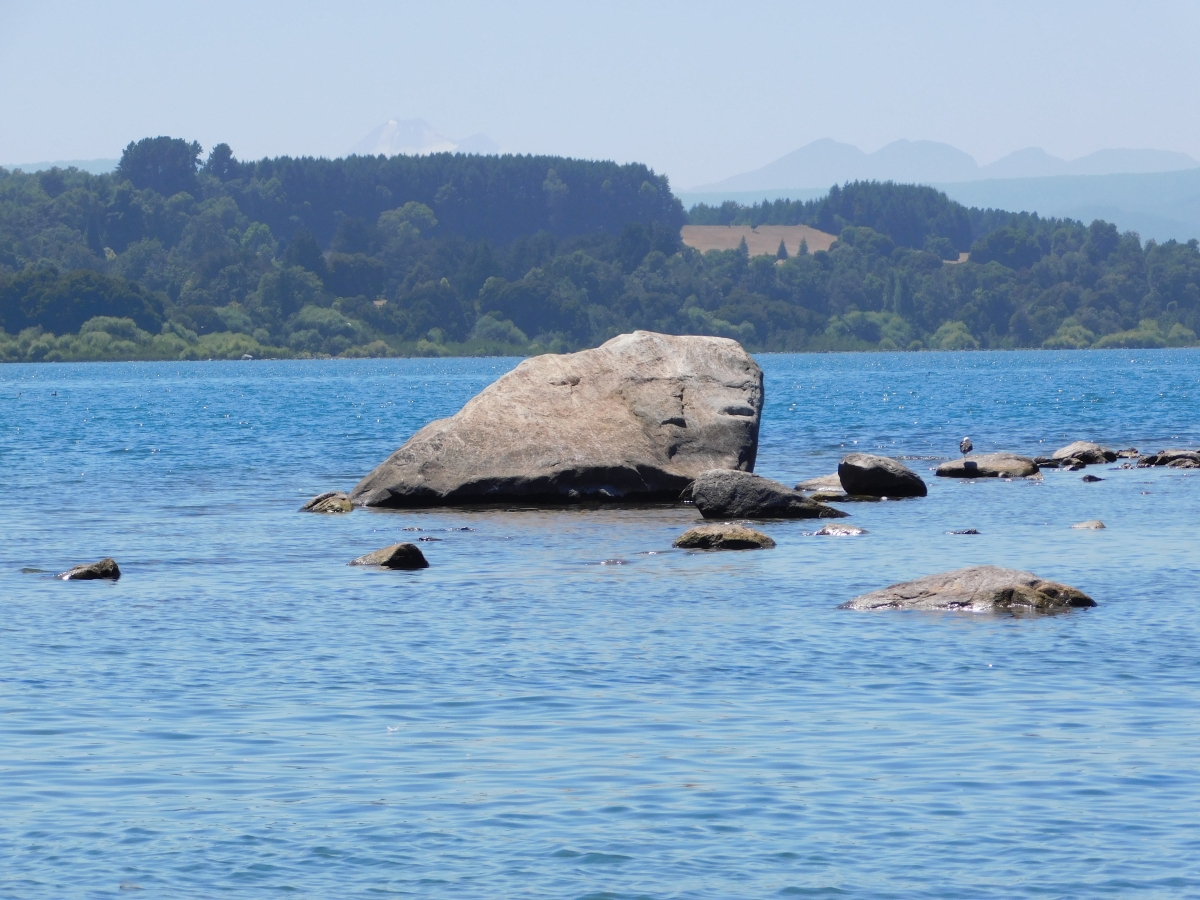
(1176, 459)
(395, 556)
(1086, 452)
(989, 465)
(838, 529)
(823, 483)
(729, 493)
(104, 569)
(329, 502)
(1090, 525)
(727, 536)
(879, 476)
(636, 419)
(976, 589)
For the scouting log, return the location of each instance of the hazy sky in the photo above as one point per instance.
(697, 90)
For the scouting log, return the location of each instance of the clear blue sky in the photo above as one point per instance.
(697, 90)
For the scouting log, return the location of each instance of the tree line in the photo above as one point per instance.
(178, 256)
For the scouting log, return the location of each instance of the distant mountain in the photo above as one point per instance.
(416, 137)
(94, 166)
(826, 162)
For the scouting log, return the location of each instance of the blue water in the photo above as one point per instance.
(244, 715)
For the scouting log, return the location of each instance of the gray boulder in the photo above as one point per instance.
(731, 493)
(1086, 452)
(989, 465)
(840, 530)
(329, 502)
(879, 476)
(1089, 525)
(106, 569)
(1176, 459)
(976, 589)
(728, 536)
(823, 483)
(637, 419)
(396, 556)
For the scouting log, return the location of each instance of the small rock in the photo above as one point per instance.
(1090, 525)
(964, 531)
(1130, 453)
(1072, 465)
(989, 465)
(839, 530)
(428, 538)
(1170, 458)
(731, 493)
(397, 556)
(831, 483)
(879, 476)
(842, 497)
(728, 536)
(976, 589)
(329, 502)
(1086, 452)
(1047, 462)
(105, 568)
(247, 356)
(1091, 478)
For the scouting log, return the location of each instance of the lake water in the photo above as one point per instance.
(244, 715)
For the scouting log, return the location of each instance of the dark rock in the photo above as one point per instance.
(1187, 459)
(1131, 453)
(1090, 525)
(1086, 452)
(840, 530)
(1047, 462)
(104, 569)
(826, 483)
(842, 497)
(879, 476)
(396, 556)
(729, 493)
(1072, 465)
(976, 589)
(1092, 478)
(329, 502)
(728, 536)
(989, 465)
(637, 419)
(964, 531)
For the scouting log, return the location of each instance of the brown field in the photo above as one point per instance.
(761, 241)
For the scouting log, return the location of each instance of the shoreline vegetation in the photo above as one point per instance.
(173, 257)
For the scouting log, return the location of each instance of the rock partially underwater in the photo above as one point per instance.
(729, 536)
(329, 502)
(879, 476)
(395, 556)
(989, 465)
(105, 569)
(637, 419)
(733, 494)
(976, 589)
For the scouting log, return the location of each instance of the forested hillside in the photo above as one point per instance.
(176, 257)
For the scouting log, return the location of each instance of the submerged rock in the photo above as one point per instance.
(1086, 452)
(329, 502)
(637, 419)
(730, 493)
(728, 536)
(976, 589)
(1091, 478)
(396, 556)
(103, 569)
(879, 476)
(964, 531)
(825, 483)
(1130, 453)
(840, 530)
(989, 465)
(1177, 459)
(1090, 525)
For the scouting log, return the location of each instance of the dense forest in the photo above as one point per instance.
(178, 257)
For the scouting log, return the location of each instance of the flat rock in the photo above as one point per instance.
(879, 476)
(1179, 459)
(1090, 525)
(396, 556)
(1086, 452)
(1128, 453)
(840, 530)
(843, 497)
(731, 493)
(727, 536)
(329, 502)
(636, 419)
(976, 589)
(989, 465)
(964, 531)
(103, 569)
(830, 483)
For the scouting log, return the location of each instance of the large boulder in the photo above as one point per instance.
(394, 556)
(879, 476)
(734, 494)
(989, 465)
(104, 569)
(637, 419)
(1086, 452)
(729, 536)
(976, 589)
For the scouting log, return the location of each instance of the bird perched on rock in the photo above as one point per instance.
(965, 446)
